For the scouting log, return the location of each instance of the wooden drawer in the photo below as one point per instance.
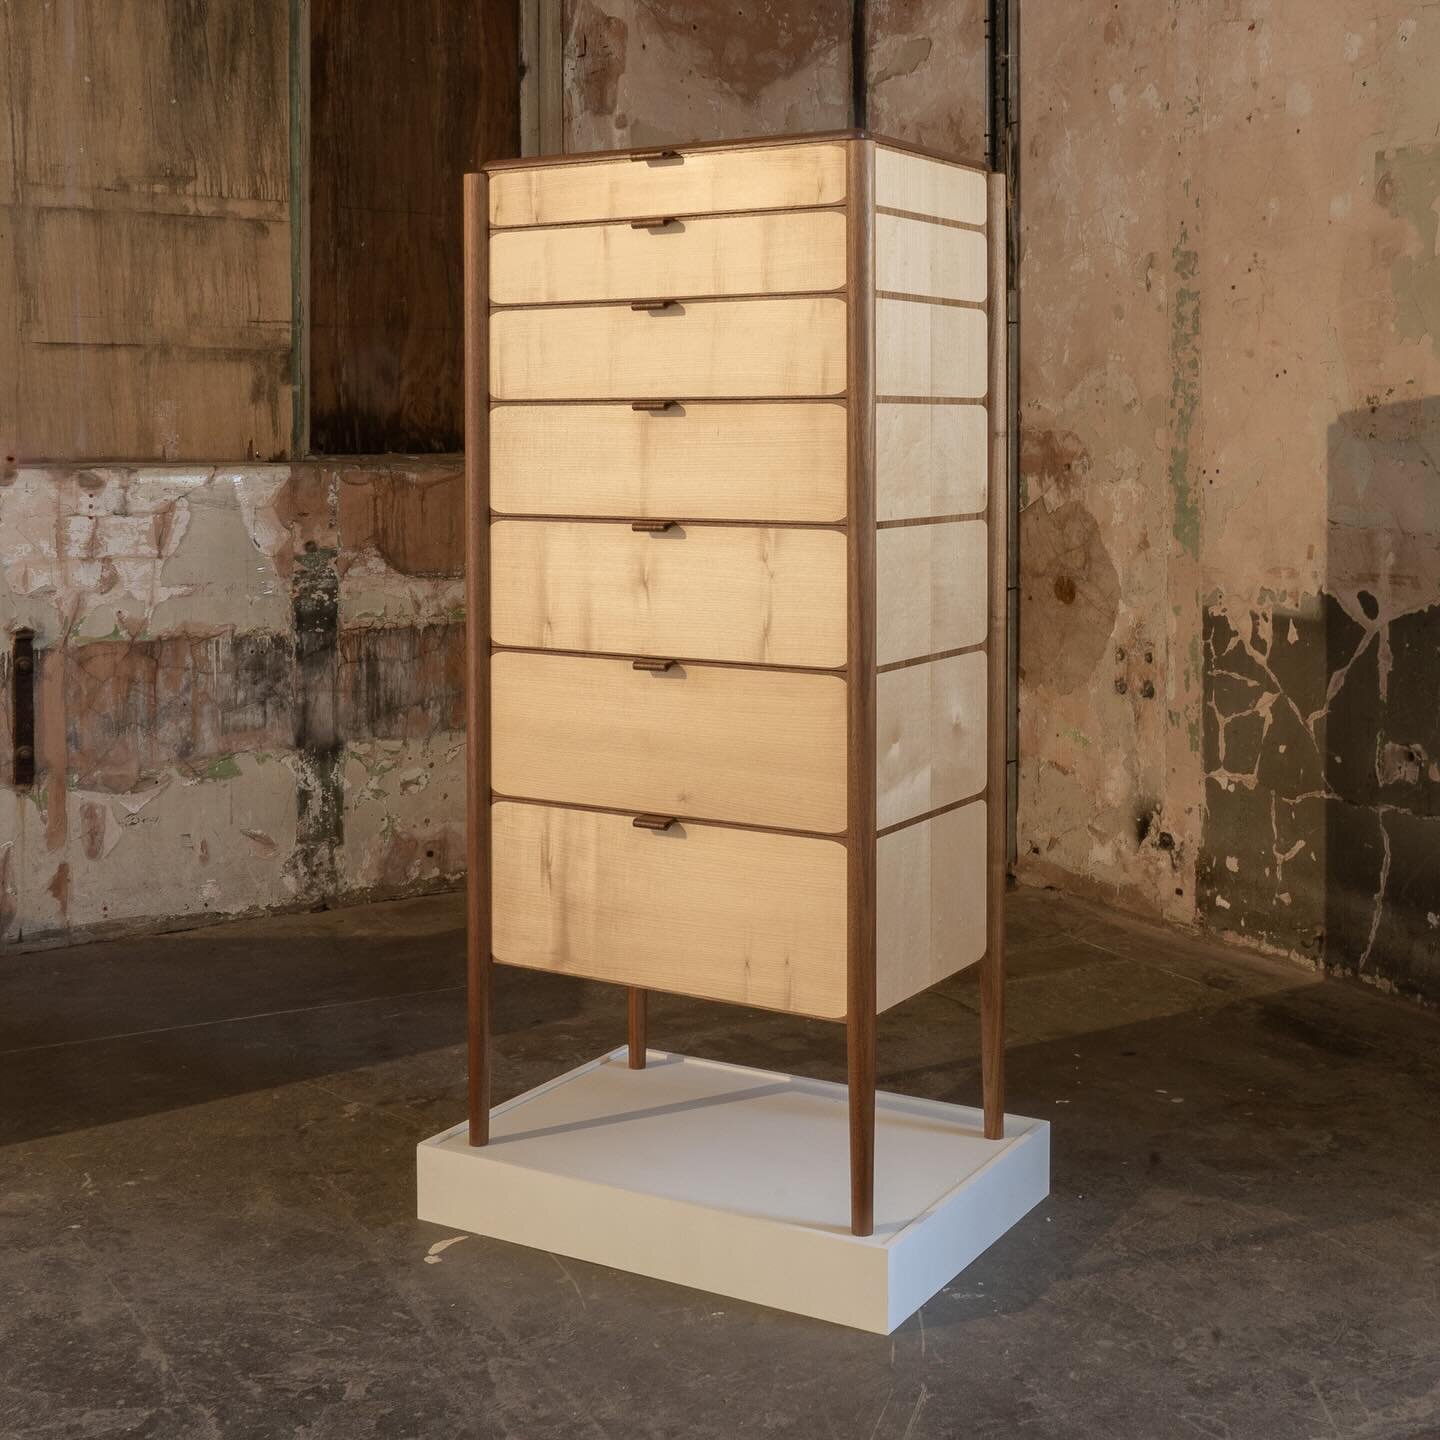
(718, 255)
(697, 348)
(742, 593)
(694, 461)
(757, 747)
(726, 914)
(698, 183)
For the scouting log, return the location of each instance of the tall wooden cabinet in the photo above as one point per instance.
(734, 447)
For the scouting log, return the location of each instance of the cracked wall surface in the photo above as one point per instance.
(249, 690)
(1230, 544)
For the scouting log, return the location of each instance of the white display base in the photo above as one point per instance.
(736, 1181)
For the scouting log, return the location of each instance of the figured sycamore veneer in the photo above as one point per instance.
(737, 915)
(717, 460)
(921, 186)
(756, 747)
(929, 460)
(706, 255)
(930, 585)
(918, 257)
(781, 177)
(749, 594)
(930, 737)
(930, 902)
(929, 350)
(793, 346)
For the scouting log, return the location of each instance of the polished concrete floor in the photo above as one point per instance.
(206, 1190)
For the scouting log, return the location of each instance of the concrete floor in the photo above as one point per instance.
(207, 1181)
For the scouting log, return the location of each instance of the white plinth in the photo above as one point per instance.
(736, 1181)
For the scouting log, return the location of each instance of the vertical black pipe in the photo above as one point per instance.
(859, 80)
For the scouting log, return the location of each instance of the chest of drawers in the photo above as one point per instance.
(736, 584)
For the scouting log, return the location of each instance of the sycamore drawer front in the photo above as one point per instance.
(696, 183)
(702, 255)
(716, 460)
(717, 912)
(750, 594)
(754, 747)
(694, 348)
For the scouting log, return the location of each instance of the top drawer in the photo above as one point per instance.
(698, 183)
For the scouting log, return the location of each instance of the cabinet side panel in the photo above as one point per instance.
(929, 460)
(930, 901)
(921, 186)
(930, 737)
(929, 351)
(930, 590)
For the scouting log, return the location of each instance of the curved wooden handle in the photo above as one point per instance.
(655, 222)
(659, 667)
(651, 305)
(652, 527)
(655, 406)
(653, 822)
(656, 155)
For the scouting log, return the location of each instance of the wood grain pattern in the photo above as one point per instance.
(696, 349)
(752, 595)
(914, 257)
(930, 589)
(860, 1040)
(930, 742)
(905, 181)
(929, 350)
(752, 746)
(732, 915)
(930, 901)
(929, 460)
(753, 178)
(718, 461)
(717, 255)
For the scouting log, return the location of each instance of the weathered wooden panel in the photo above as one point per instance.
(146, 308)
(404, 100)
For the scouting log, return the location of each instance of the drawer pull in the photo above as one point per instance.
(652, 527)
(653, 822)
(656, 406)
(656, 155)
(653, 306)
(658, 667)
(655, 222)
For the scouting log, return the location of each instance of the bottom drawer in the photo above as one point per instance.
(704, 910)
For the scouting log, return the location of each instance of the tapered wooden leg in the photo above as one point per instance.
(637, 1027)
(997, 645)
(860, 1038)
(477, 656)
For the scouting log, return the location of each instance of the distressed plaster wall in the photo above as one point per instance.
(1230, 541)
(249, 690)
(640, 72)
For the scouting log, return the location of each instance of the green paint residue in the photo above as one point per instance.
(1184, 393)
(223, 767)
(1077, 736)
(1406, 184)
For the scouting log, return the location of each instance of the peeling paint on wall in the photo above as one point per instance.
(242, 703)
(1229, 296)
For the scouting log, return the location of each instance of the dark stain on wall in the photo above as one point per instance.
(1322, 735)
(320, 795)
(416, 524)
(398, 684)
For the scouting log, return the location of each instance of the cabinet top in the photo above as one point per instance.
(752, 142)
